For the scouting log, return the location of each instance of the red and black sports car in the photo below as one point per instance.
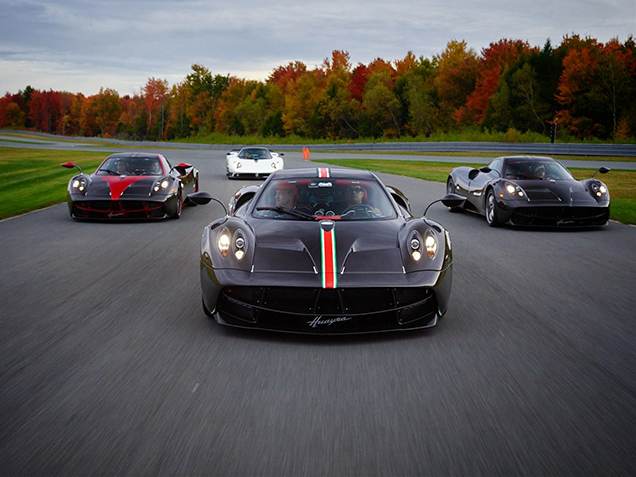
(131, 185)
(325, 251)
(531, 191)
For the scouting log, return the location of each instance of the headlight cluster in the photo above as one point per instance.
(80, 184)
(236, 242)
(161, 185)
(274, 165)
(513, 191)
(238, 165)
(599, 189)
(418, 246)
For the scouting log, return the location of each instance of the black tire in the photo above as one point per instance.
(450, 189)
(491, 210)
(177, 213)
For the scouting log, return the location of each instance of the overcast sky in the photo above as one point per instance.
(81, 46)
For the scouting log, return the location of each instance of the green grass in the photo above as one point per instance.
(622, 184)
(33, 178)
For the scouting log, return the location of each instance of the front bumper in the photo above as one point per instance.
(396, 302)
(123, 209)
(558, 216)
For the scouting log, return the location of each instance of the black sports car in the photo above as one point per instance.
(131, 185)
(325, 251)
(531, 191)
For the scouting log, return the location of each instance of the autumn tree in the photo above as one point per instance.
(178, 122)
(250, 114)
(613, 85)
(11, 113)
(301, 97)
(274, 101)
(494, 61)
(381, 108)
(285, 74)
(106, 110)
(87, 122)
(226, 121)
(573, 92)
(457, 68)
(416, 92)
(155, 97)
(203, 92)
(334, 116)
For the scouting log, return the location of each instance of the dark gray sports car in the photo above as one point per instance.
(531, 191)
(131, 185)
(325, 251)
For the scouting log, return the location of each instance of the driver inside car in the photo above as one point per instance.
(355, 197)
(121, 167)
(284, 196)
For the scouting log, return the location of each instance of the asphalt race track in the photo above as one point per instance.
(108, 365)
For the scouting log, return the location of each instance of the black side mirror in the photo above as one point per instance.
(200, 198)
(602, 170)
(449, 200)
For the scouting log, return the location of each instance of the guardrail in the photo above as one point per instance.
(500, 147)
(547, 149)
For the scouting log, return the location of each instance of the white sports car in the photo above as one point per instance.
(253, 161)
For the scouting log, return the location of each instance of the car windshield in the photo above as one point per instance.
(535, 170)
(255, 153)
(314, 199)
(124, 166)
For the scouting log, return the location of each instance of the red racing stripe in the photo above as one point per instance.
(328, 245)
(118, 184)
(323, 172)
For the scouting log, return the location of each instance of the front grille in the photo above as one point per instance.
(118, 209)
(327, 310)
(561, 216)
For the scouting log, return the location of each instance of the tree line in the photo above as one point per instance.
(582, 86)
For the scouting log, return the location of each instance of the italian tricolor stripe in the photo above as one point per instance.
(328, 246)
(323, 172)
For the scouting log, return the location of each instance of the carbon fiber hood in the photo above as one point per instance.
(133, 188)
(563, 192)
(360, 246)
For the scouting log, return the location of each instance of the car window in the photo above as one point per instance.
(139, 166)
(116, 165)
(535, 170)
(339, 199)
(255, 153)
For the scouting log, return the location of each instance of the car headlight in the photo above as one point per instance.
(223, 242)
(274, 165)
(161, 185)
(237, 242)
(240, 245)
(418, 246)
(513, 191)
(237, 165)
(80, 184)
(415, 245)
(430, 243)
(599, 189)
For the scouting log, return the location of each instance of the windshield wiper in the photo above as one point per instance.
(110, 172)
(292, 212)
